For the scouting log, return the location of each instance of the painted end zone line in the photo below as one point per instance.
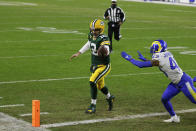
(113, 119)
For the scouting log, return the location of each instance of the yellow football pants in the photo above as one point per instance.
(99, 74)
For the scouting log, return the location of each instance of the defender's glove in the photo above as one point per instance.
(141, 57)
(194, 79)
(137, 63)
(126, 56)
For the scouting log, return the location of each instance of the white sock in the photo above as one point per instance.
(108, 95)
(93, 101)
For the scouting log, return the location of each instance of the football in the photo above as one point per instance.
(102, 51)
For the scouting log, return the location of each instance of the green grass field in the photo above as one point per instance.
(36, 42)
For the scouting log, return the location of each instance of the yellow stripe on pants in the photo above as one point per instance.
(99, 74)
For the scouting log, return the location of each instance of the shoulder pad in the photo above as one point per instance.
(103, 37)
(90, 35)
(155, 56)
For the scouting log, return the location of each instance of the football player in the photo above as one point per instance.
(180, 81)
(100, 66)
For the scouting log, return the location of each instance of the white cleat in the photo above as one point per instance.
(175, 119)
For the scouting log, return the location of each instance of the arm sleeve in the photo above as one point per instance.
(194, 79)
(106, 14)
(85, 47)
(122, 16)
(141, 64)
(106, 44)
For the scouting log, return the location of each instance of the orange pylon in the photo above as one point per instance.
(36, 113)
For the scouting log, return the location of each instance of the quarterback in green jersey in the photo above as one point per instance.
(100, 65)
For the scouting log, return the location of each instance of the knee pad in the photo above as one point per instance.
(93, 90)
(104, 90)
(92, 84)
(164, 100)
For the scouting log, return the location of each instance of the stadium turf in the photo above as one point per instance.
(37, 39)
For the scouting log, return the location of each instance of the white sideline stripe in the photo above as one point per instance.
(4, 106)
(85, 77)
(9, 123)
(1, 97)
(30, 114)
(114, 119)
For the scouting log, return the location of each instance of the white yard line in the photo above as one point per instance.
(85, 22)
(176, 10)
(33, 56)
(4, 3)
(50, 30)
(42, 80)
(162, 2)
(13, 57)
(114, 119)
(84, 77)
(19, 41)
(170, 37)
(82, 39)
(30, 114)
(1, 97)
(131, 28)
(123, 28)
(15, 105)
(45, 16)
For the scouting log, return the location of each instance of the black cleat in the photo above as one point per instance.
(110, 102)
(91, 109)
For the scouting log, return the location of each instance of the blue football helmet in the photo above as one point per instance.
(158, 46)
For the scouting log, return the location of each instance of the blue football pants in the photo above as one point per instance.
(185, 85)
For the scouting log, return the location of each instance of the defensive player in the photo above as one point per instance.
(180, 81)
(100, 67)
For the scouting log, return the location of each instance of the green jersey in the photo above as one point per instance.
(94, 46)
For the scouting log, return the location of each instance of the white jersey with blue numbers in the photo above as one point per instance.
(169, 66)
